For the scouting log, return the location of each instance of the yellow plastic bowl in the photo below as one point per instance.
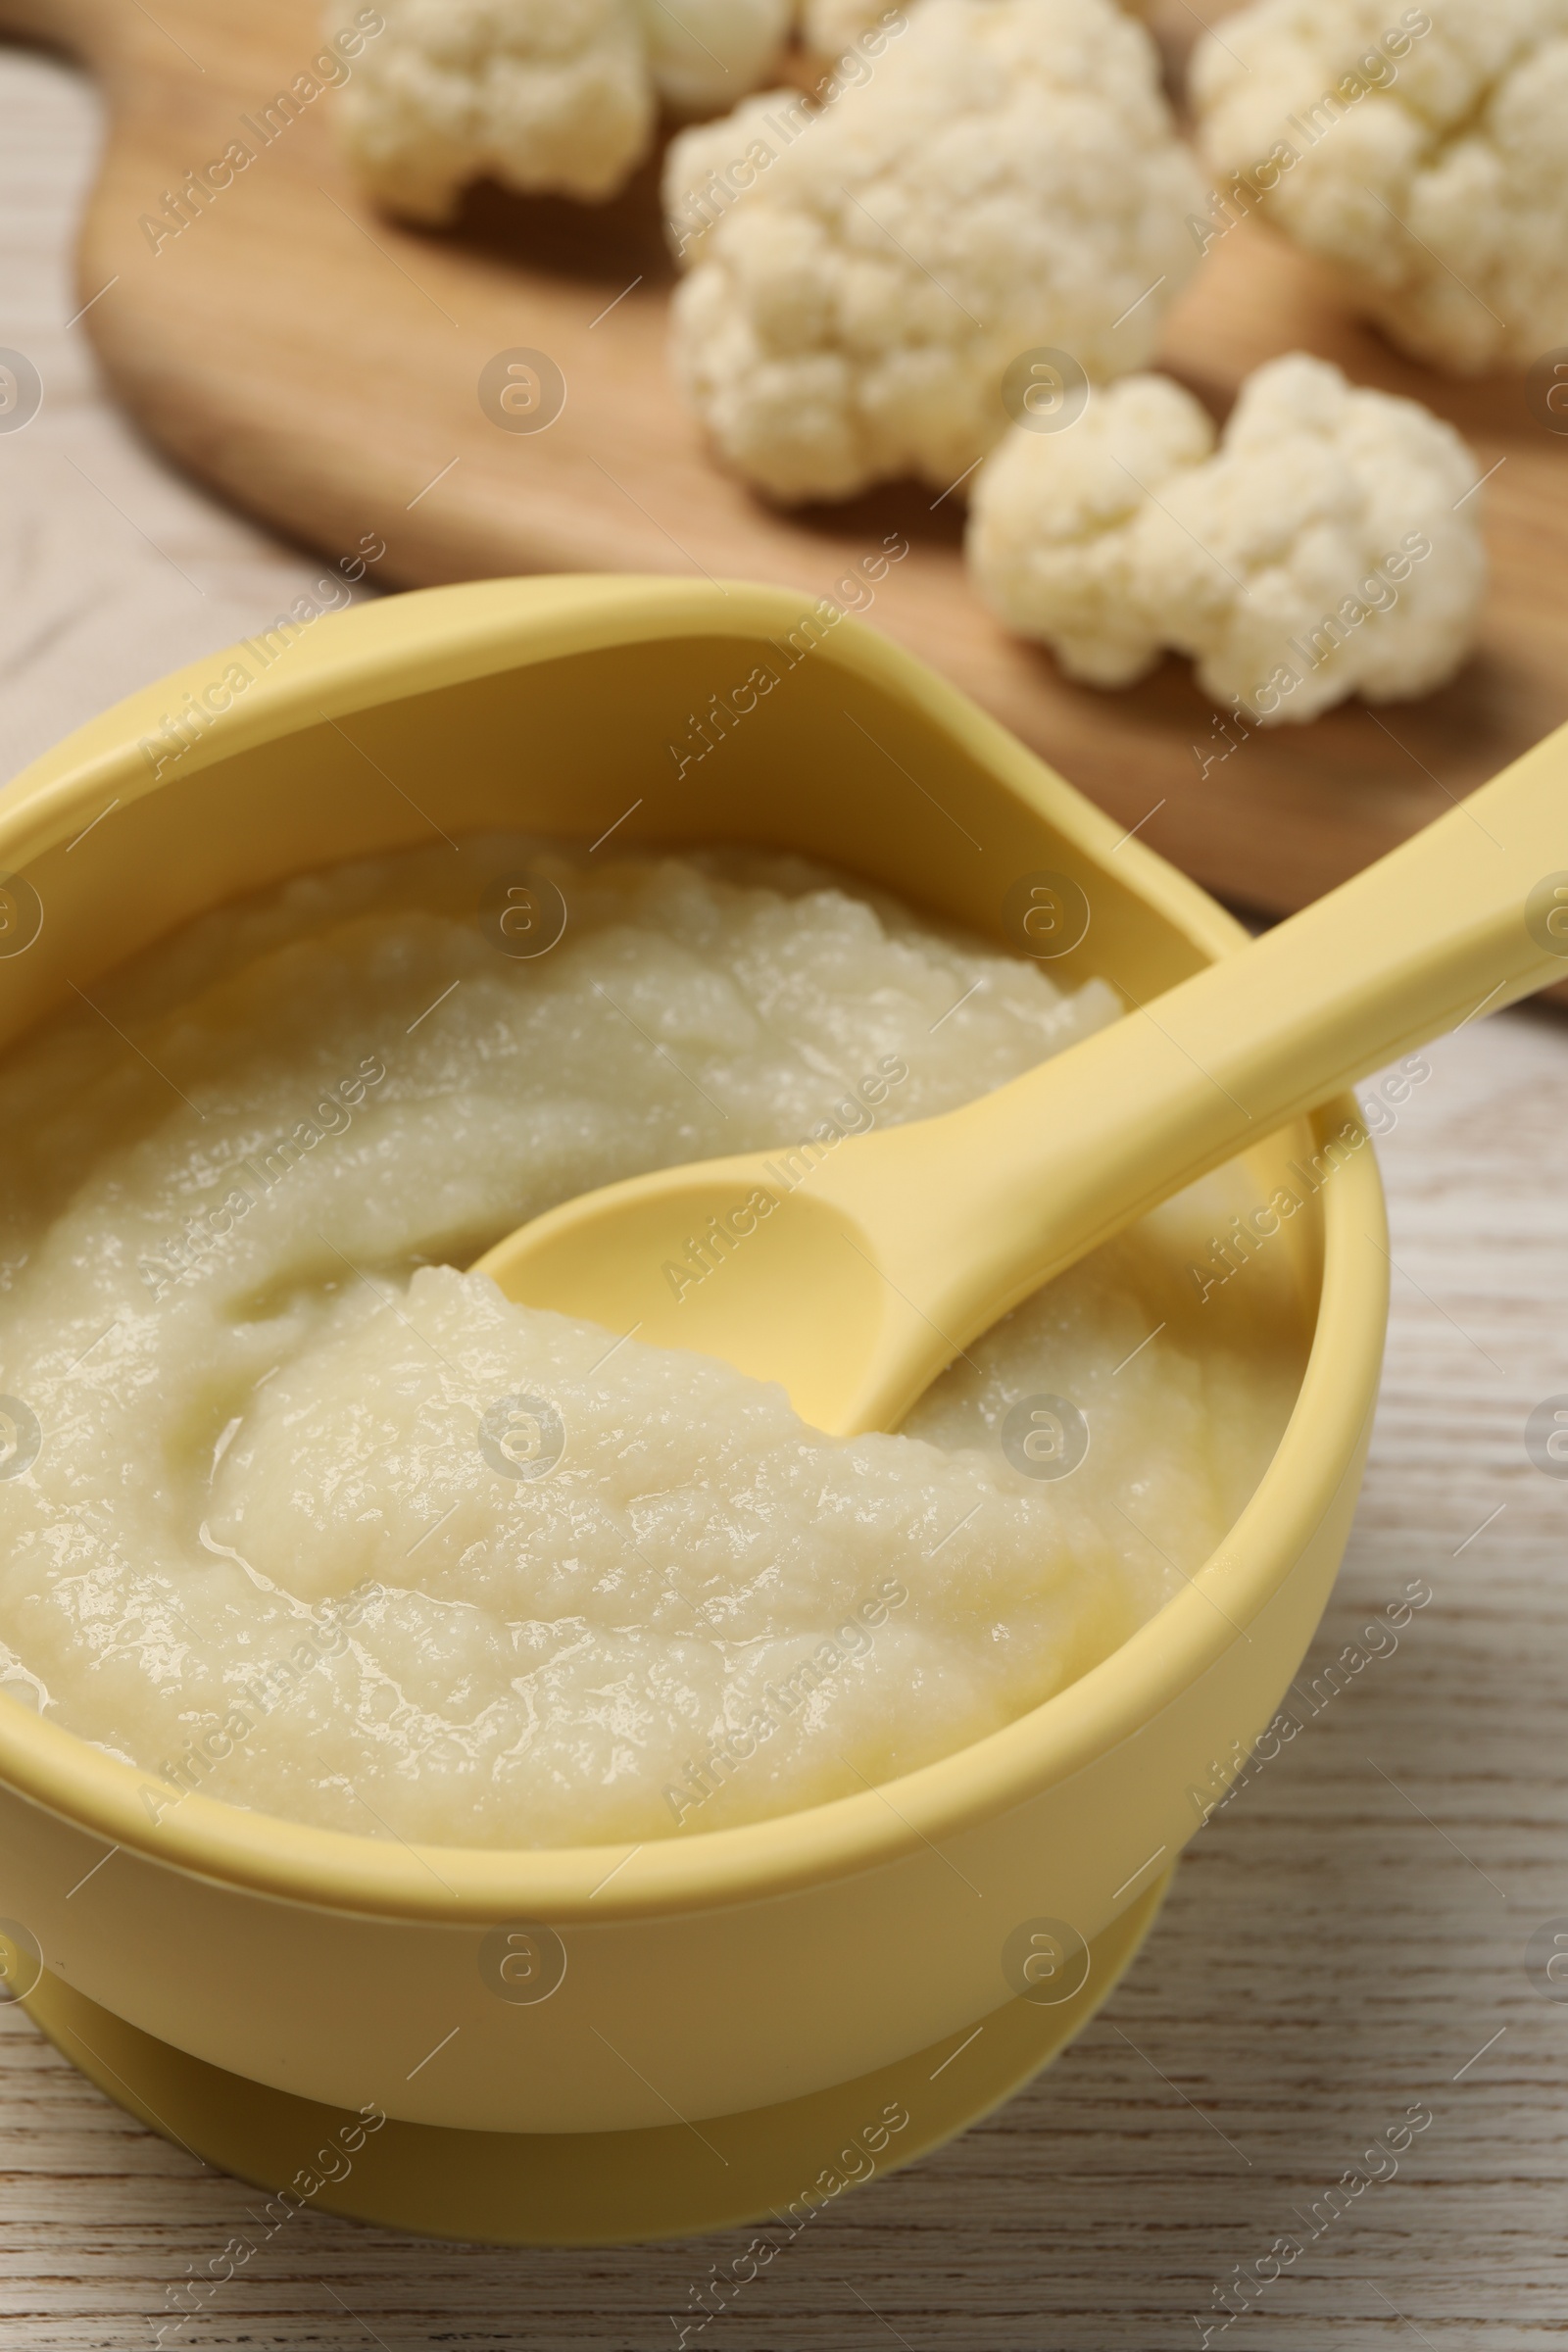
(761, 1963)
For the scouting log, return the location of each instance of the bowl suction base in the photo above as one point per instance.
(590, 2188)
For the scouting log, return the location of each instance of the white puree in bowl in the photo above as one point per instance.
(274, 1543)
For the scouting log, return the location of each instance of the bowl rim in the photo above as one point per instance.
(414, 643)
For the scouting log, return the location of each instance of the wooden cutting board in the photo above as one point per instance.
(319, 366)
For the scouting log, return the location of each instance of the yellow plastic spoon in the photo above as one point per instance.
(855, 1275)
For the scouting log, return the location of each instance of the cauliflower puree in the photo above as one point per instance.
(296, 1512)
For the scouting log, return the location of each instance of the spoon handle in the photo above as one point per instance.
(993, 1200)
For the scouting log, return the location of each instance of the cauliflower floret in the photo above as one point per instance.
(1330, 546)
(539, 94)
(543, 95)
(1426, 159)
(1056, 540)
(1005, 179)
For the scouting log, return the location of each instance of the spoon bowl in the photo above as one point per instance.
(723, 1259)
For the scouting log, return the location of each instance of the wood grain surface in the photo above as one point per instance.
(1345, 1940)
(320, 364)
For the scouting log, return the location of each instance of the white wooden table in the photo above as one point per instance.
(1346, 1939)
